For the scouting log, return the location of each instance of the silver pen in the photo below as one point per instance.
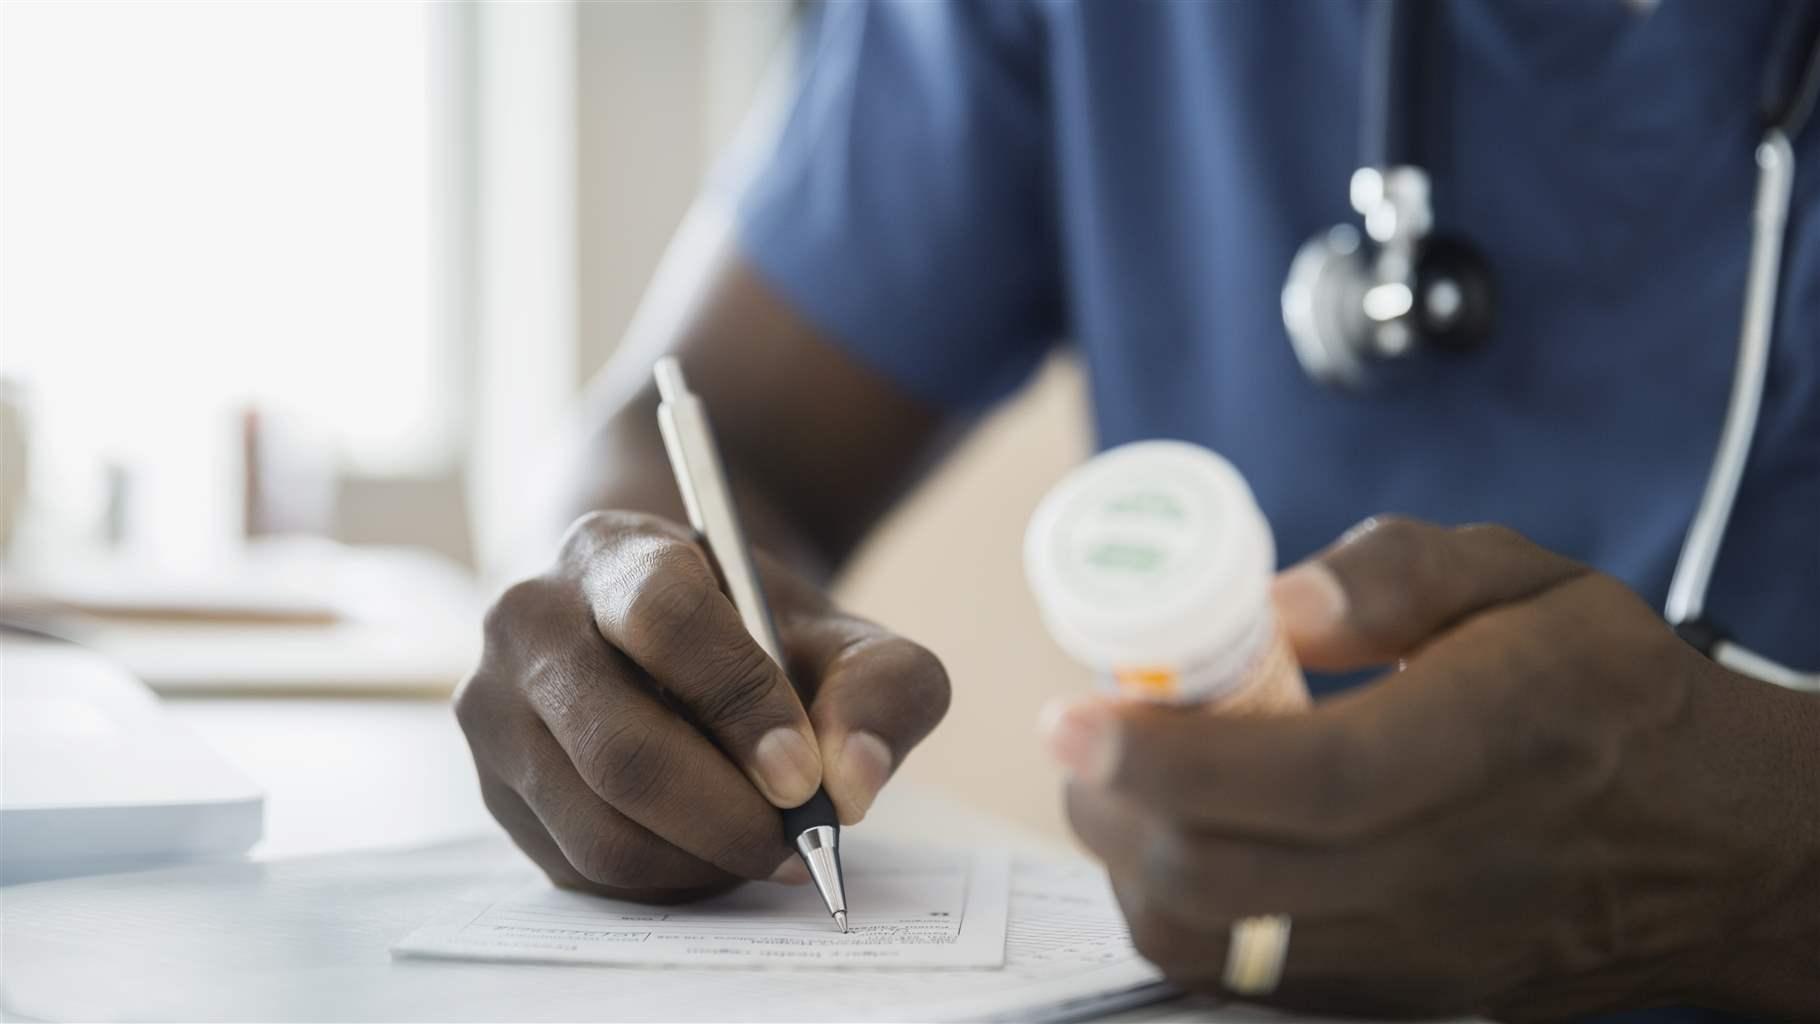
(813, 828)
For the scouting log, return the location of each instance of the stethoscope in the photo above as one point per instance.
(1352, 305)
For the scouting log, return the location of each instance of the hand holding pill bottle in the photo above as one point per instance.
(1152, 564)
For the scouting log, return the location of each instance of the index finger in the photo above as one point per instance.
(1351, 767)
(1390, 585)
(654, 597)
(644, 762)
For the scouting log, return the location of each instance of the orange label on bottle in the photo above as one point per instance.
(1149, 682)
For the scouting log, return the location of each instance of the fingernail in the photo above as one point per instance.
(791, 872)
(1310, 598)
(788, 770)
(1082, 736)
(864, 765)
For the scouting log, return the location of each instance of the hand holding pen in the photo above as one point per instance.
(637, 741)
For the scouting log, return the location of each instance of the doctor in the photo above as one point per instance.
(1558, 806)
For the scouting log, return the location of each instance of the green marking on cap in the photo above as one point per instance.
(1124, 556)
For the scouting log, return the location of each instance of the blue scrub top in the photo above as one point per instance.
(963, 186)
(960, 187)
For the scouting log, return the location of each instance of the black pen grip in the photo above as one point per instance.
(816, 812)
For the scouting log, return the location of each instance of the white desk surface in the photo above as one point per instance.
(353, 773)
(345, 773)
(348, 773)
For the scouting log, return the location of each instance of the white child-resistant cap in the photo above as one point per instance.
(1151, 553)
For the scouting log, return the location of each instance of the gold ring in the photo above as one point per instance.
(1254, 959)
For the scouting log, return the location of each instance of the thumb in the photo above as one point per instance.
(1390, 584)
(875, 696)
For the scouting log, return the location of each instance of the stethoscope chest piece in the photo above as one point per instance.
(1353, 303)
(1323, 307)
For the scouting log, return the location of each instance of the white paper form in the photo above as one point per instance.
(907, 907)
(307, 939)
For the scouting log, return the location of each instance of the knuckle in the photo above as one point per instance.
(1414, 550)
(1516, 544)
(538, 780)
(553, 685)
(665, 605)
(468, 704)
(1380, 530)
(500, 803)
(1495, 534)
(588, 526)
(1389, 548)
(593, 531)
(608, 534)
(623, 760)
(488, 710)
(523, 603)
(736, 690)
(1601, 596)
(1408, 577)
(1392, 538)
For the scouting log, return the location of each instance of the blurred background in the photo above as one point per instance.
(296, 302)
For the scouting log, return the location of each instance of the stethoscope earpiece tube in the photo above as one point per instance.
(1791, 91)
(1791, 81)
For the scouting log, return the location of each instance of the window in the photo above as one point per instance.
(207, 205)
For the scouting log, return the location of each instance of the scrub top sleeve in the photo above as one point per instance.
(906, 209)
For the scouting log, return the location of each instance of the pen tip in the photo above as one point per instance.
(840, 918)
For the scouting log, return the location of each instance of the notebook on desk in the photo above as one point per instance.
(312, 938)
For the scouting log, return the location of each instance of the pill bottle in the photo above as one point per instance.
(1151, 563)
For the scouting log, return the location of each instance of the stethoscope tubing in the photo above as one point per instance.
(1706, 534)
(1791, 92)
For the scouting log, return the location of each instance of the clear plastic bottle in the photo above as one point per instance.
(1152, 564)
